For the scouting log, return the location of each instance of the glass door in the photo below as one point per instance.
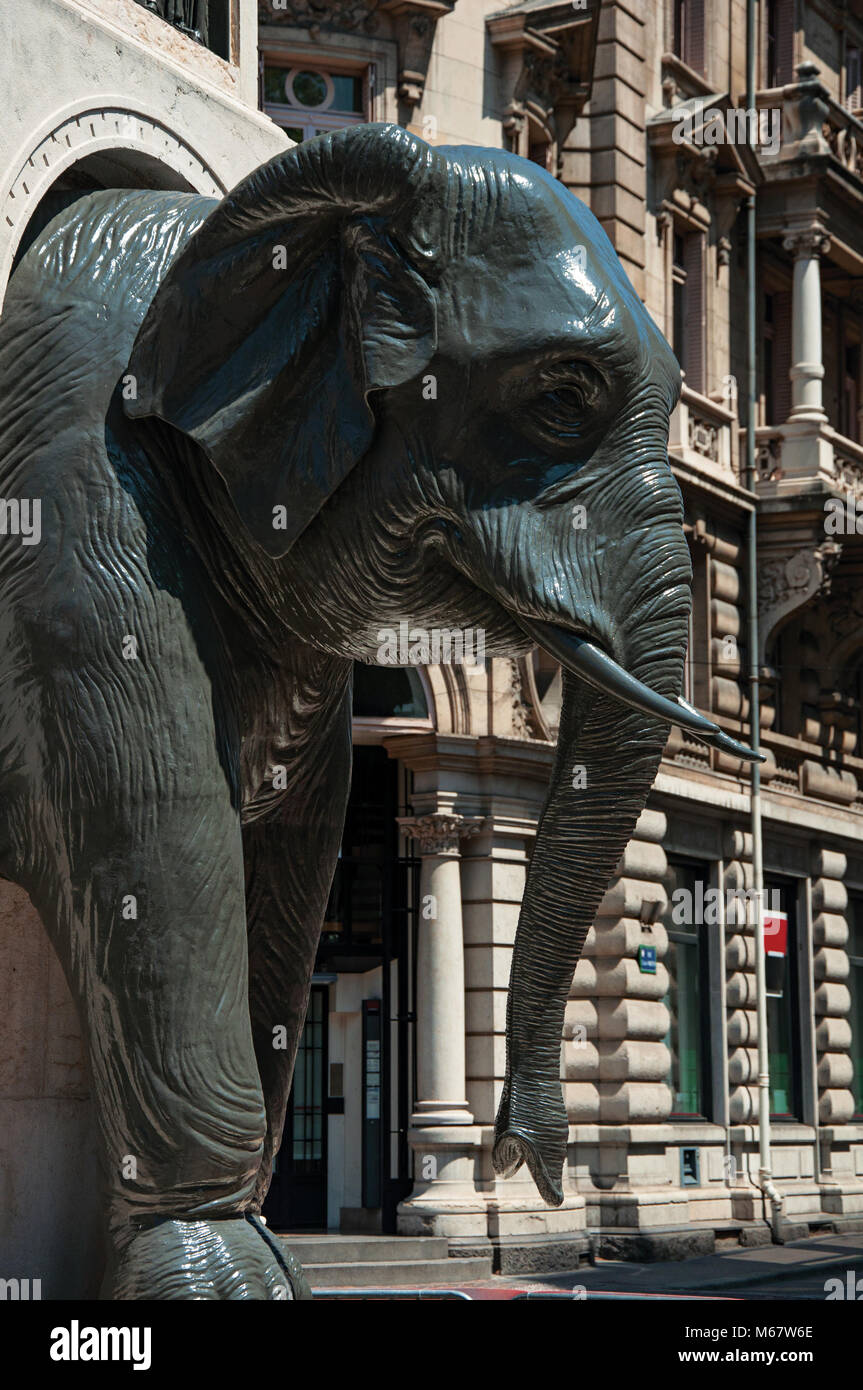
(297, 1199)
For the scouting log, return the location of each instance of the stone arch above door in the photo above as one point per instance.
(127, 146)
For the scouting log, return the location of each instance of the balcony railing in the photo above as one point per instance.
(844, 135)
(848, 465)
(824, 453)
(703, 430)
(813, 123)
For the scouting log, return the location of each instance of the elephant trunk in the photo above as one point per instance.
(607, 758)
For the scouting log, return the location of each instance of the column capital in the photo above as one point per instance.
(440, 832)
(807, 241)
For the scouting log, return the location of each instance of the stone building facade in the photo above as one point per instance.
(402, 1060)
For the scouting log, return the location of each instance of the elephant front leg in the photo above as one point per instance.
(148, 912)
(158, 959)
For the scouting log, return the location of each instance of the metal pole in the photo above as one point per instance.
(765, 1166)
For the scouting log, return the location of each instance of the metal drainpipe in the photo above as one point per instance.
(765, 1168)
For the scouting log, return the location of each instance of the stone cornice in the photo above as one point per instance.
(548, 49)
(488, 755)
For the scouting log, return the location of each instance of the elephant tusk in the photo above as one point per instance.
(588, 661)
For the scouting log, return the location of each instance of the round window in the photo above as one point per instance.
(309, 89)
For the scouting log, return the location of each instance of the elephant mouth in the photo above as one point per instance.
(587, 660)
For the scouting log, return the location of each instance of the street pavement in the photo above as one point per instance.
(798, 1271)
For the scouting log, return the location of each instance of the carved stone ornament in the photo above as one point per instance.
(440, 832)
(318, 15)
(807, 242)
(547, 54)
(413, 27)
(787, 583)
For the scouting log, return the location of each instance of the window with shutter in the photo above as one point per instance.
(853, 79)
(780, 43)
(693, 333)
(688, 32)
(849, 423)
(687, 282)
(781, 357)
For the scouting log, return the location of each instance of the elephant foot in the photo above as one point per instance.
(232, 1258)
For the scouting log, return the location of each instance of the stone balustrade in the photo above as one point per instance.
(704, 430)
(813, 123)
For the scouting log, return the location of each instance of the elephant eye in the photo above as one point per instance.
(565, 407)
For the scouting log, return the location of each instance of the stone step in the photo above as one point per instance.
(341, 1249)
(398, 1274)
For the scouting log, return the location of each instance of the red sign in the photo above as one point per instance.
(776, 933)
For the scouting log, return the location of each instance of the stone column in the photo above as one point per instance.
(443, 1136)
(440, 1035)
(807, 370)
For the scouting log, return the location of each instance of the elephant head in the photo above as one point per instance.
(432, 394)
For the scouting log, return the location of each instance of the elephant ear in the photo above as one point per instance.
(305, 290)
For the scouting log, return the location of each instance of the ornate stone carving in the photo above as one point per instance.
(703, 437)
(788, 582)
(319, 15)
(807, 242)
(807, 112)
(440, 832)
(413, 25)
(522, 719)
(547, 69)
(849, 472)
(846, 611)
(767, 460)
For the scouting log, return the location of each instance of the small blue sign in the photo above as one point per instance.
(647, 960)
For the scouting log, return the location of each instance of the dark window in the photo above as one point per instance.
(776, 361)
(769, 389)
(298, 1195)
(388, 691)
(853, 79)
(688, 998)
(779, 42)
(687, 281)
(855, 985)
(306, 1120)
(678, 283)
(537, 153)
(849, 424)
(783, 1012)
(206, 21)
(688, 35)
(372, 886)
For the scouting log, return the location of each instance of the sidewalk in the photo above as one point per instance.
(727, 1274)
(720, 1273)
